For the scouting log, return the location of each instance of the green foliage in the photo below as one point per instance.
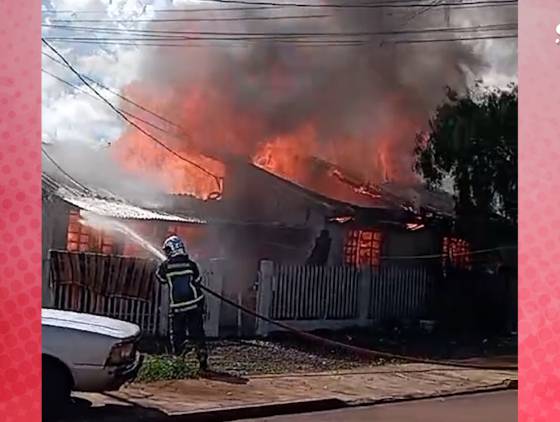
(163, 368)
(473, 141)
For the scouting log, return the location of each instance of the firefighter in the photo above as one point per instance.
(187, 302)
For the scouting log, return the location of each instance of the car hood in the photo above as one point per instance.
(89, 323)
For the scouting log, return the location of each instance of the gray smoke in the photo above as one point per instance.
(234, 96)
(95, 168)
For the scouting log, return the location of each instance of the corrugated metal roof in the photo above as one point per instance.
(107, 204)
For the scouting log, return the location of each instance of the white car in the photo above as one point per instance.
(83, 352)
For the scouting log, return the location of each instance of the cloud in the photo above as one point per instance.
(68, 115)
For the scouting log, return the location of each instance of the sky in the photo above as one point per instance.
(70, 116)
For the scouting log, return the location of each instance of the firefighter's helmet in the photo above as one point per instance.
(174, 246)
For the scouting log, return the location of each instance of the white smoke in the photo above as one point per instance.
(93, 166)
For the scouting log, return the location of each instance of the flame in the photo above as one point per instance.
(138, 153)
(213, 128)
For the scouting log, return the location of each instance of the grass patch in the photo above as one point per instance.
(164, 368)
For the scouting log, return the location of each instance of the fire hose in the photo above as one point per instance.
(360, 351)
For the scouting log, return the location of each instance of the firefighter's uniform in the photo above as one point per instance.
(186, 304)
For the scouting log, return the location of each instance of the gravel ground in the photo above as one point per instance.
(253, 357)
(289, 354)
(262, 357)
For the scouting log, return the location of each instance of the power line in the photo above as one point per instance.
(84, 92)
(223, 19)
(495, 37)
(193, 10)
(126, 99)
(229, 46)
(255, 5)
(158, 42)
(444, 255)
(385, 5)
(127, 119)
(157, 38)
(59, 168)
(182, 35)
(420, 12)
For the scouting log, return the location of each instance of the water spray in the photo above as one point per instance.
(108, 224)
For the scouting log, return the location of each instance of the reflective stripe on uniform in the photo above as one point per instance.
(169, 276)
(180, 265)
(175, 273)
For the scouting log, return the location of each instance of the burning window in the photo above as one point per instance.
(456, 252)
(82, 238)
(362, 248)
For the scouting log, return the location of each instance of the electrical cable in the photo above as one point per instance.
(84, 92)
(182, 130)
(435, 40)
(265, 35)
(65, 173)
(386, 5)
(300, 43)
(170, 20)
(127, 119)
(253, 6)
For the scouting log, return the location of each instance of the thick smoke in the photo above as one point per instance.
(359, 107)
(94, 167)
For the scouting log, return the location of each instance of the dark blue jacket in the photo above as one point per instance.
(181, 274)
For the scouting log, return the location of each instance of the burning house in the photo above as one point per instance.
(257, 216)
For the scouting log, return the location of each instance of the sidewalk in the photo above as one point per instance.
(223, 394)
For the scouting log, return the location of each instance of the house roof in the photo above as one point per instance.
(104, 203)
(391, 196)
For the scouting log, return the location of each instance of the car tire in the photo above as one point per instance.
(56, 390)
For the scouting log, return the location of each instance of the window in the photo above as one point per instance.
(456, 252)
(82, 238)
(78, 234)
(362, 248)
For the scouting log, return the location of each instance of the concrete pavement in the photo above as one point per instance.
(230, 396)
(490, 407)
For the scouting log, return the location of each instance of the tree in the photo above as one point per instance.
(472, 141)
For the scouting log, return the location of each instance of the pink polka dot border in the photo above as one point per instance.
(20, 211)
(539, 214)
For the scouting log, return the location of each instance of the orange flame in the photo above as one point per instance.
(217, 128)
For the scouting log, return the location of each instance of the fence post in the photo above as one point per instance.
(264, 296)
(215, 283)
(364, 295)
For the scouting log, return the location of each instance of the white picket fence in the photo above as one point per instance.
(309, 298)
(303, 297)
(399, 292)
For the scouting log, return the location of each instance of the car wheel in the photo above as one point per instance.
(56, 390)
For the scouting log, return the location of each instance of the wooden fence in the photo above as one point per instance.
(309, 298)
(121, 287)
(113, 286)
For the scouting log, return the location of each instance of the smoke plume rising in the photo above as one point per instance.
(278, 102)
